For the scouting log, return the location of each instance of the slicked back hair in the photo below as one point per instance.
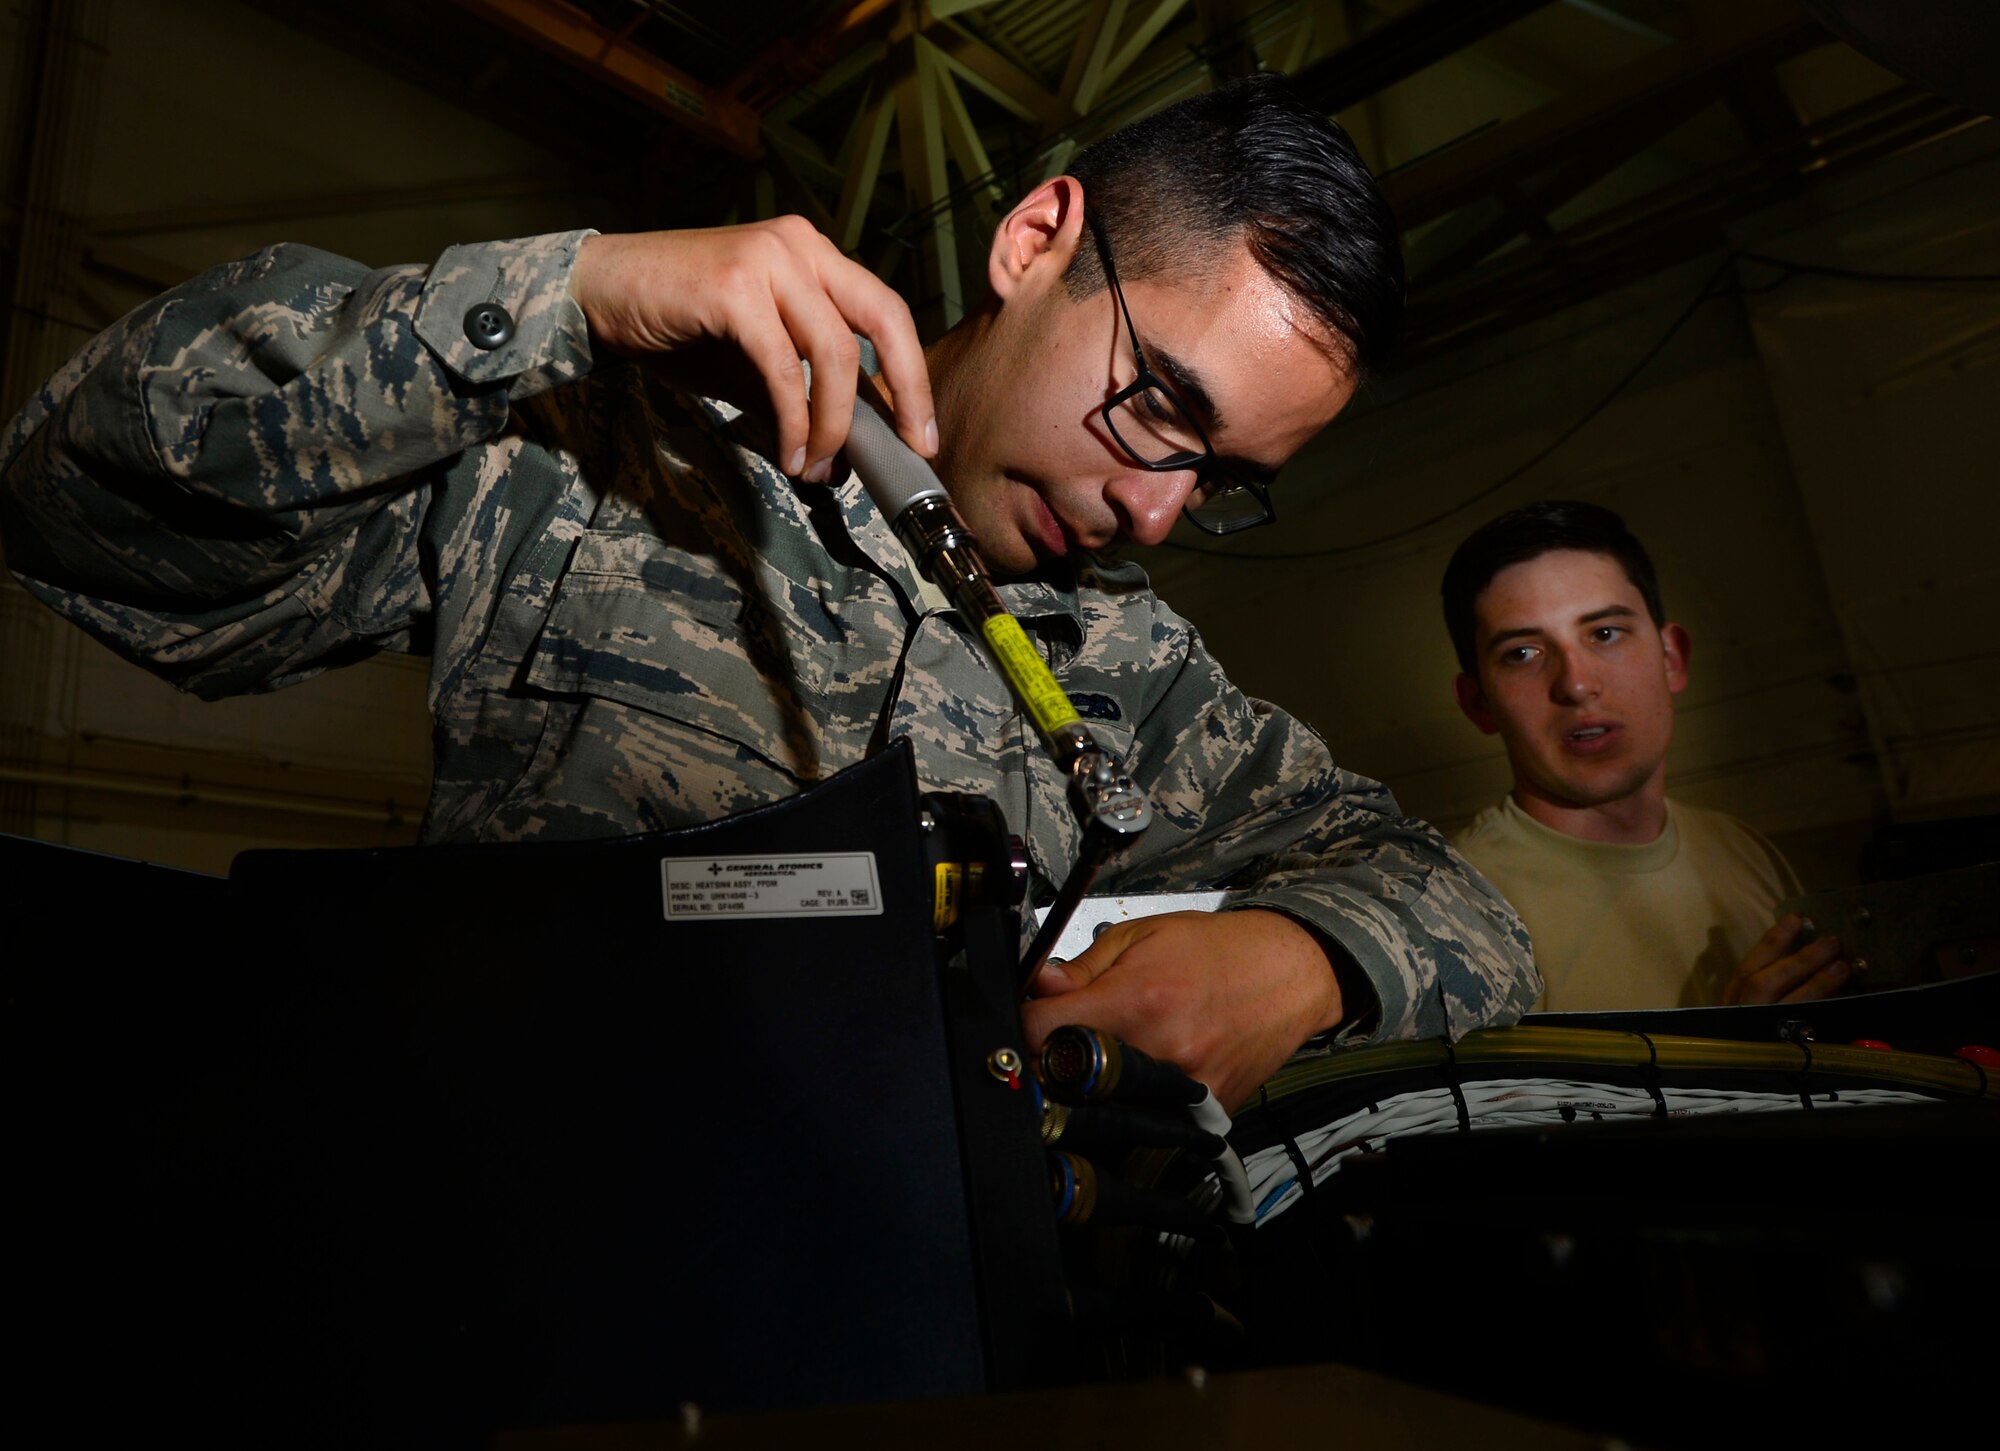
(1248, 160)
(1528, 533)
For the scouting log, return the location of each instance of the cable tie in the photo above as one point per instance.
(1451, 1082)
(1650, 1075)
(1652, 1050)
(1299, 1164)
(1799, 1035)
(1300, 1167)
(1292, 1150)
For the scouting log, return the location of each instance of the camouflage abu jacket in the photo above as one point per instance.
(635, 621)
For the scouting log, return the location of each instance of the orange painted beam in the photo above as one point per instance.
(568, 33)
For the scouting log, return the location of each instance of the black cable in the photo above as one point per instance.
(1853, 274)
(1790, 270)
(55, 317)
(1701, 296)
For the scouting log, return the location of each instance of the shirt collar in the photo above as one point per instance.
(1604, 856)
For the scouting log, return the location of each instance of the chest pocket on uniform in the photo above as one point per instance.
(677, 634)
(1108, 701)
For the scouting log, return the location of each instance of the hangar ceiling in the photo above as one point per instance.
(1536, 151)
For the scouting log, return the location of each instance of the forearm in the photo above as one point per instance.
(1439, 951)
(241, 462)
(1250, 799)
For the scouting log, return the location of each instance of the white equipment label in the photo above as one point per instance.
(839, 884)
(1094, 914)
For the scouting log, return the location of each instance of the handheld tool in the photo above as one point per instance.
(1110, 806)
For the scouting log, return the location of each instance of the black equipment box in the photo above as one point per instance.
(417, 1144)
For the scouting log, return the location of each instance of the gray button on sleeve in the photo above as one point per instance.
(488, 325)
(501, 312)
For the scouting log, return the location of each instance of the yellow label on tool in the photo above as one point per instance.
(1030, 678)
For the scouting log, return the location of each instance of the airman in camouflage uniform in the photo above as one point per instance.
(636, 620)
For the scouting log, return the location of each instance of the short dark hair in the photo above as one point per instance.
(1528, 533)
(1249, 159)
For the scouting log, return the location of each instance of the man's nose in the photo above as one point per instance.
(1575, 676)
(1148, 504)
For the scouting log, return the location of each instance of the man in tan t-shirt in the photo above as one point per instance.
(1633, 900)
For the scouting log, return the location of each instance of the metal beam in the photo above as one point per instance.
(1671, 223)
(962, 137)
(1760, 103)
(1475, 231)
(140, 269)
(1151, 23)
(568, 33)
(788, 66)
(795, 193)
(1550, 134)
(859, 62)
(996, 77)
(1297, 45)
(1408, 44)
(338, 203)
(870, 139)
(61, 62)
(1226, 43)
(1363, 119)
(1503, 50)
(920, 134)
(1090, 53)
(802, 151)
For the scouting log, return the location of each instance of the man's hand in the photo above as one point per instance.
(735, 308)
(1778, 970)
(1225, 996)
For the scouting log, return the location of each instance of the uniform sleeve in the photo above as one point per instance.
(229, 485)
(1250, 799)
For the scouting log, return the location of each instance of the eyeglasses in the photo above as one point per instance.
(1160, 433)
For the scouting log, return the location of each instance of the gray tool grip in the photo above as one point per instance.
(890, 470)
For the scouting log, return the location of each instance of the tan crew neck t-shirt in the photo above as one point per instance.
(1661, 925)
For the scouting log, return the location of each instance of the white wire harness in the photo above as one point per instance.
(1272, 1181)
(1239, 1200)
(1508, 1103)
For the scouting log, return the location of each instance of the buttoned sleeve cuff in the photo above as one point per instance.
(498, 312)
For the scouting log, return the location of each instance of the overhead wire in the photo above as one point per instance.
(42, 315)
(1851, 274)
(1706, 293)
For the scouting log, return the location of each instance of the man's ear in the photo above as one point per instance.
(1472, 700)
(1037, 238)
(1676, 645)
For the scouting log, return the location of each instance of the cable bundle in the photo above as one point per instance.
(1510, 1103)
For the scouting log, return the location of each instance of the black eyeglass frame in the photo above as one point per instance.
(1208, 468)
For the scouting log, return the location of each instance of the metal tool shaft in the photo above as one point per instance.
(1103, 795)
